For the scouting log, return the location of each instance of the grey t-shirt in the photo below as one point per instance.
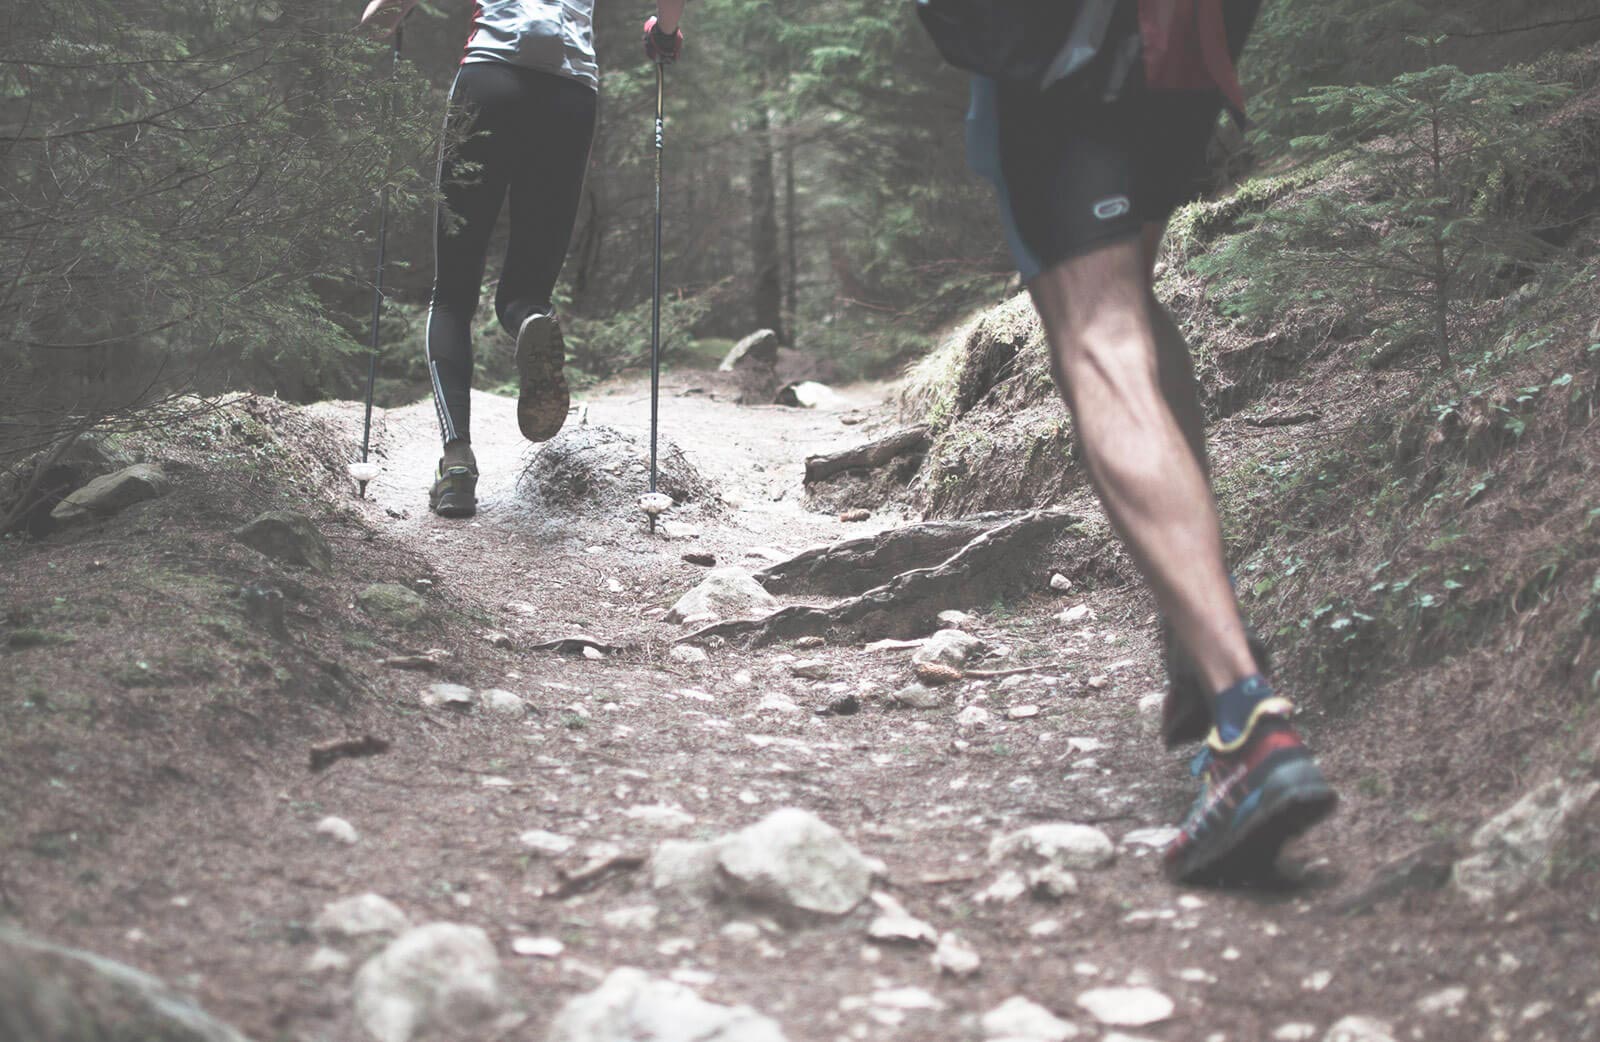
(551, 35)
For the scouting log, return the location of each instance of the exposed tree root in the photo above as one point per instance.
(906, 605)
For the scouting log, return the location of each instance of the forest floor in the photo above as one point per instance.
(167, 819)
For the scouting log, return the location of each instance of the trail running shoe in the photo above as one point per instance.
(543, 400)
(1185, 716)
(1257, 793)
(455, 491)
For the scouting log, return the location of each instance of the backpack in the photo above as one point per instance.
(1177, 44)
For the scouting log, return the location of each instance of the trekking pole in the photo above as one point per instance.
(363, 471)
(655, 503)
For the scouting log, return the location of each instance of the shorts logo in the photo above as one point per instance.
(1115, 206)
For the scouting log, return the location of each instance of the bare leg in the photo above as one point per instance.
(1174, 363)
(1098, 314)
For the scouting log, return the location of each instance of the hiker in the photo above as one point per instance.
(520, 120)
(1092, 120)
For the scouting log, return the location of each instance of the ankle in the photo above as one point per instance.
(458, 453)
(1236, 705)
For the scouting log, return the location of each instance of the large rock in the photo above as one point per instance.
(1512, 850)
(758, 349)
(1064, 845)
(1126, 1007)
(1021, 1020)
(394, 604)
(287, 536)
(592, 472)
(793, 859)
(950, 647)
(441, 977)
(110, 493)
(360, 916)
(725, 593)
(631, 1006)
(687, 867)
(53, 994)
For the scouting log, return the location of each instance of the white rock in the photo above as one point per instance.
(811, 669)
(1446, 1002)
(905, 999)
(632, 1006)
(725, 593)
(1045, 928)
(638, 918)
(441, 977)
(1020, 1020)
(1085, 745)
(448, 696)
(537, 947)
(338, 829)
(547, 842)
(327, 960)
(359, 916)
(972, 717)
(1021, 712)
(1294, 1032)
(1060, 583)
(956, 620)
(1359, 1029)
(956, 957)
(659, 816)
(778, 702)
(1126, 1007)
(950, 647)
(1317, 981)
(1512, 850)
(793, 858)
(685, 867)
(1076, 613)
(901, 929)
(1155, 838)
(1007, 887)
(687, 655)
(741, 931)
(1066, 845)
(499, 700)
(1052, 881)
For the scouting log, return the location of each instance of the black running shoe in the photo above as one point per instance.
(543, 399)
(1257, 793)
(455, 491)
(1185, 717)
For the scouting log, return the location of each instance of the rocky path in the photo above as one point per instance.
(633, 838)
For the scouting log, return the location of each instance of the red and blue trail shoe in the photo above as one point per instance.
(1257, 793)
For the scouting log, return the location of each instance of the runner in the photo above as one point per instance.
(520, 120)
(1090, 152)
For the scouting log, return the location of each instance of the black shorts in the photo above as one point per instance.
(1074, 172)
(1079, 176)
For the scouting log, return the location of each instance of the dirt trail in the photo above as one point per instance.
(729, 740)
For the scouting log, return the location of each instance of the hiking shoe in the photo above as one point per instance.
(543, 400)
(1257, 793)
(455, 491)
(1185, 717)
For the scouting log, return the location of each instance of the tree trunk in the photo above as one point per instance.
(791, 234)
(766, 285)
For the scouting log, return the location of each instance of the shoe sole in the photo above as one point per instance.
(1294, 798)
(453, 504)
(543, 398)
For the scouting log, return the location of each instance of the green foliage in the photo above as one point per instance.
(184, 185)
(1411, 229)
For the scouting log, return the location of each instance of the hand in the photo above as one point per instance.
(662, 48)
(382, 16)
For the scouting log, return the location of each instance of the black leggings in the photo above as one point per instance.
(514, 129)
